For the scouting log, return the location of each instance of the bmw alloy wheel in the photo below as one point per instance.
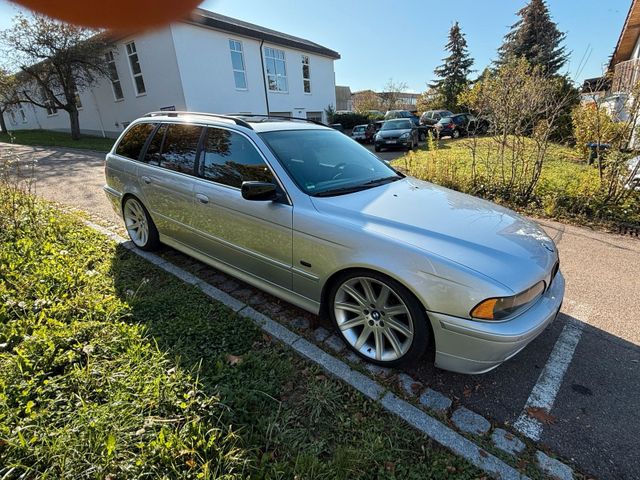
(140, 227)
(373, 319)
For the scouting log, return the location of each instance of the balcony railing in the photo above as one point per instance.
(625, 76)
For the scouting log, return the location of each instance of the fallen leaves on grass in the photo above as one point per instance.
(416, 387)
(233, 360)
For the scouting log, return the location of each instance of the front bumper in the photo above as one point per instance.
(471, 347)
(391, 143)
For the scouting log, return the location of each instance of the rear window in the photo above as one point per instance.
(179, 148)
(133, 141)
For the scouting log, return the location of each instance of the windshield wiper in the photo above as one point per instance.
(359, 187)
(342, 190)
(382, 181)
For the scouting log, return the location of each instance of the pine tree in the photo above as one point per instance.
(454, 72)
(536, 38)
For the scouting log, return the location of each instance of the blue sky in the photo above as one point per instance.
(404, 40)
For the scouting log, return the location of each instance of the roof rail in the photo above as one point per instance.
(280, 117)
(173, 113)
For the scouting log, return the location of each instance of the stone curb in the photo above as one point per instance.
(430, 426)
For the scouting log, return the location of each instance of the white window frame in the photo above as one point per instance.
(50, 107)
(23, 114)
(271, 53)
(79, 105)
(232, 42)
(111, 59)
(306, 61)
(134, 51)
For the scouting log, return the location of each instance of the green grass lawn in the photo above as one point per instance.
(568, 188)
(112, 368)
(48, 138)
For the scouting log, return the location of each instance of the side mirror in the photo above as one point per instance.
(259, 191)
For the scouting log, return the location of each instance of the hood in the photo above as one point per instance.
(393, 133)
(478, 234)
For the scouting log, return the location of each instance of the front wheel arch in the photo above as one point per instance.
(335, 276)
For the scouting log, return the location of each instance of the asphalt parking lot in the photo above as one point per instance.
(575, 389)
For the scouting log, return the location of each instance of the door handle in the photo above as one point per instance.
(146, 180)
(202, 198)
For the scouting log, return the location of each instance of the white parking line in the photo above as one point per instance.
(546, 388)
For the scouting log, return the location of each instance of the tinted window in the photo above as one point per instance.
(230, 159)
(460, 120)
(134, 140)
(179, 148)
(152, 155)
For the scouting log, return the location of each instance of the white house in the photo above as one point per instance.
(206, 63)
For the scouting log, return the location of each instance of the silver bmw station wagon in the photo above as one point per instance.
(309, 215)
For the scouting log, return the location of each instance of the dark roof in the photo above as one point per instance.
(598, 84)
(216, 21)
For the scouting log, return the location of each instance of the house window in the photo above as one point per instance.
(315, 116)
(12, 115)
(113, 76)
(306, 74)
(276, 70)
(134, 63)
(237, 63)
(78, 101)
(23, 115)
(49, 103)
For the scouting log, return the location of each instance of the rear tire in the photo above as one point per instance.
(378, 318)
(376, 148)
(455, 133)
(139, 224)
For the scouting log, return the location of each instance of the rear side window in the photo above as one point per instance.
(152, 155)
(180, 147)
(133, 141)
(230, 159)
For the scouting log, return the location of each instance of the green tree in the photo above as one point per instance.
(536, 38)
(7, 95)
(54, 61)
(454, 72)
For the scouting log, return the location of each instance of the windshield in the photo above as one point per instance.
(446, 120)
(397, 125)
(326, 162)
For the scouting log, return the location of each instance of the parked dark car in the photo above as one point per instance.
(431, 117)
(460, 124)
(400, 132)
(391, 114)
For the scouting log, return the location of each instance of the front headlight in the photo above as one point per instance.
(503, 307)
(404, 136)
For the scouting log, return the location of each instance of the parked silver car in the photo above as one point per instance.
(307, 214)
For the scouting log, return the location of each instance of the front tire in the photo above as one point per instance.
(378, 318)
(376, 148)
(139, 224)
(455, 133)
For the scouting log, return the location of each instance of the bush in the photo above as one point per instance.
(350, 120)
(566, 188)
(592, 123)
